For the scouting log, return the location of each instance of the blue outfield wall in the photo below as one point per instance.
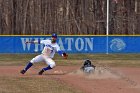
(73, 44)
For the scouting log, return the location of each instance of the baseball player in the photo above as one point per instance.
(47, 54)
(88, 67)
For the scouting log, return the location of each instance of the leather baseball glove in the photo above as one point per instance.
(65, 55)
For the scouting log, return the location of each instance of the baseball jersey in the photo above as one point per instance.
(49, 48)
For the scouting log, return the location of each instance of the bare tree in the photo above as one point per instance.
(40, 17)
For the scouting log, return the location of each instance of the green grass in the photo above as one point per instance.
(23, 57)
(33, 85)
(9, 84)
(75, 59)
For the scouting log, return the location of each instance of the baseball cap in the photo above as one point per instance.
(54, 35)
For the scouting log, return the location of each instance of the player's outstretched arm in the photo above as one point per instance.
(63, 54)
(35, 42)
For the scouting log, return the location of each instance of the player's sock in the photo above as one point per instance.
(28, 66)
(47, 68)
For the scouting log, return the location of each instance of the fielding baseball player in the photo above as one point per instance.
(47, 54)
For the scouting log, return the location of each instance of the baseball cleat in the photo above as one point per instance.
(40, 72)
(22, 71)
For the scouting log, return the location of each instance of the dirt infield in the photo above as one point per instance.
(104, 80)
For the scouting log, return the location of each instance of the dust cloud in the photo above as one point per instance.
(99, 73)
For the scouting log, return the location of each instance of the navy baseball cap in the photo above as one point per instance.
(54, 35)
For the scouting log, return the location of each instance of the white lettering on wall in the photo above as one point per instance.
(69, 41)
(88, 42)
(69, 44)
(60, 42)
(36, 45)
(23, 40)
(79, 44)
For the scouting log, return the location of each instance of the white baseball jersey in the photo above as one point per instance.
(49, 48)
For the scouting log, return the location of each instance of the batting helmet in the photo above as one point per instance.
(87, 62)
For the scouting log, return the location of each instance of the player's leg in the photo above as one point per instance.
(51, 64)
(38, 58)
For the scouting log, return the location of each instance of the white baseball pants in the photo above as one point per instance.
(41, 58)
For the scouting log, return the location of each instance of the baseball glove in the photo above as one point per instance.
(65, 55)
